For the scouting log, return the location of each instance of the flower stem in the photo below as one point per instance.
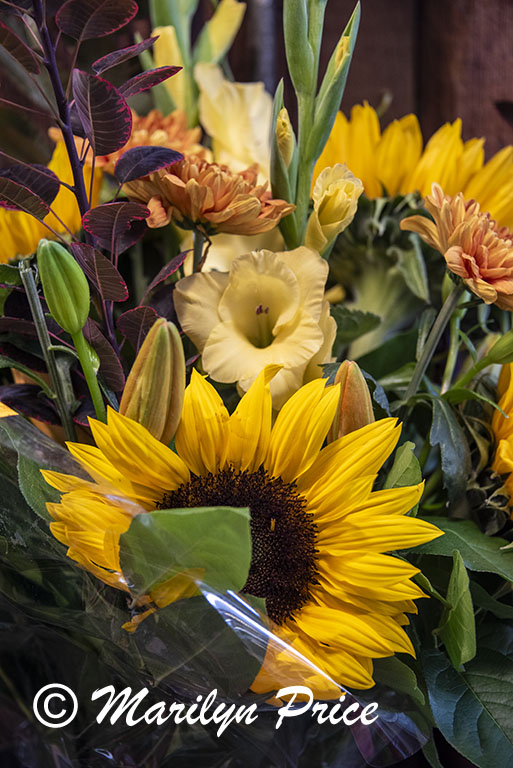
(477, 368)
(90, 375)
(452, 355)
(199, 242)
(27, 278)
(432, 340)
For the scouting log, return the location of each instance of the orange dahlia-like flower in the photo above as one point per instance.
(473, 245)
(156, 130)
(196, 193)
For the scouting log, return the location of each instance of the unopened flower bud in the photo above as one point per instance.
(355, 405)
(335, 200)
(154, 389)
(285, 138)
(65, 286)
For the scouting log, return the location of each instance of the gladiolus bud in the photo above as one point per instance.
(335, 198)
(65, 286)
(154, 389)
(355, 405)
(285, 138)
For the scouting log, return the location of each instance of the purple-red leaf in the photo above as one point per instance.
(19, 50)
(102, 272)
(18, 198)
(29, 400)
(21, 356)
(136, 323)
(111, 370)
(169, 269)
(36, 178)
(146, 80)
(124, 54)
(116, 226)
(140, 161)
(18, 325)
(86, 19)
(103, 112)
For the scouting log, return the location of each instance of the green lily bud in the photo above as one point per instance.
(154, 389)
(65, 286)
(355, 404)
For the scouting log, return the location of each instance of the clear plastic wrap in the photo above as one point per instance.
(62, 625)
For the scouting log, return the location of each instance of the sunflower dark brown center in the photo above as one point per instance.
(283, 564)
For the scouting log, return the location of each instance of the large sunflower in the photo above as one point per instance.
(318, 529)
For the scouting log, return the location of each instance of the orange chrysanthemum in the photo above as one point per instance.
(156, 130)
(473, 245)
(196, 193)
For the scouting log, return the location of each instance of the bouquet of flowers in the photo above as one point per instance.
(255, 451)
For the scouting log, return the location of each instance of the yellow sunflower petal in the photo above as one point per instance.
(300, 430)
(202, 436)
(250, 424)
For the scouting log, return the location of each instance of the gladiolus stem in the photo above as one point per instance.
(90, 375)
(434, 337)
(198, 241)
(27, 278)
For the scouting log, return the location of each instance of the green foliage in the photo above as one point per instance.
(457, 628)
(352, 323)
(161, 544)
(447, 433)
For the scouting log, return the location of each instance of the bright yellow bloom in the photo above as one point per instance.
(319, 530)
(335, 200)
(393, 162)
(269, 308)
(472, 244)
(20, 233)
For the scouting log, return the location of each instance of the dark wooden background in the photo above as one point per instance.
(441, 59)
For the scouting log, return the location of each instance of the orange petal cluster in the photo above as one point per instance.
(196, 193)
(156, 130)
(473, 245)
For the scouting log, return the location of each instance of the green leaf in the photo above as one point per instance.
(485, 601)
(474, 708)
(352, 323)
(461, 394)
(479, 552)
(399, 677)
(405, 469)
(447, 433)
(430, 752)
(412, 267)
(34, 488)
(160, 544)
(9, 275)
(458, 627)
(424, 583)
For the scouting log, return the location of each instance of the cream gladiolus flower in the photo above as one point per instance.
(166, 51)
(335, 199)
(268, 309)
(237, 117)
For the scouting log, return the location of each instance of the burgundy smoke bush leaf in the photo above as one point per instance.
(102, 272)
(18, 325)
(140, 161)
(17, 197)
(146, 80)
(36, 178)
(169, 269)
(124, 54)
(19, 50)
(21, 356)
(116, 226)
(104, 114)
(29, 400)
(111, 370)
(86, 19)
(136, 323)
